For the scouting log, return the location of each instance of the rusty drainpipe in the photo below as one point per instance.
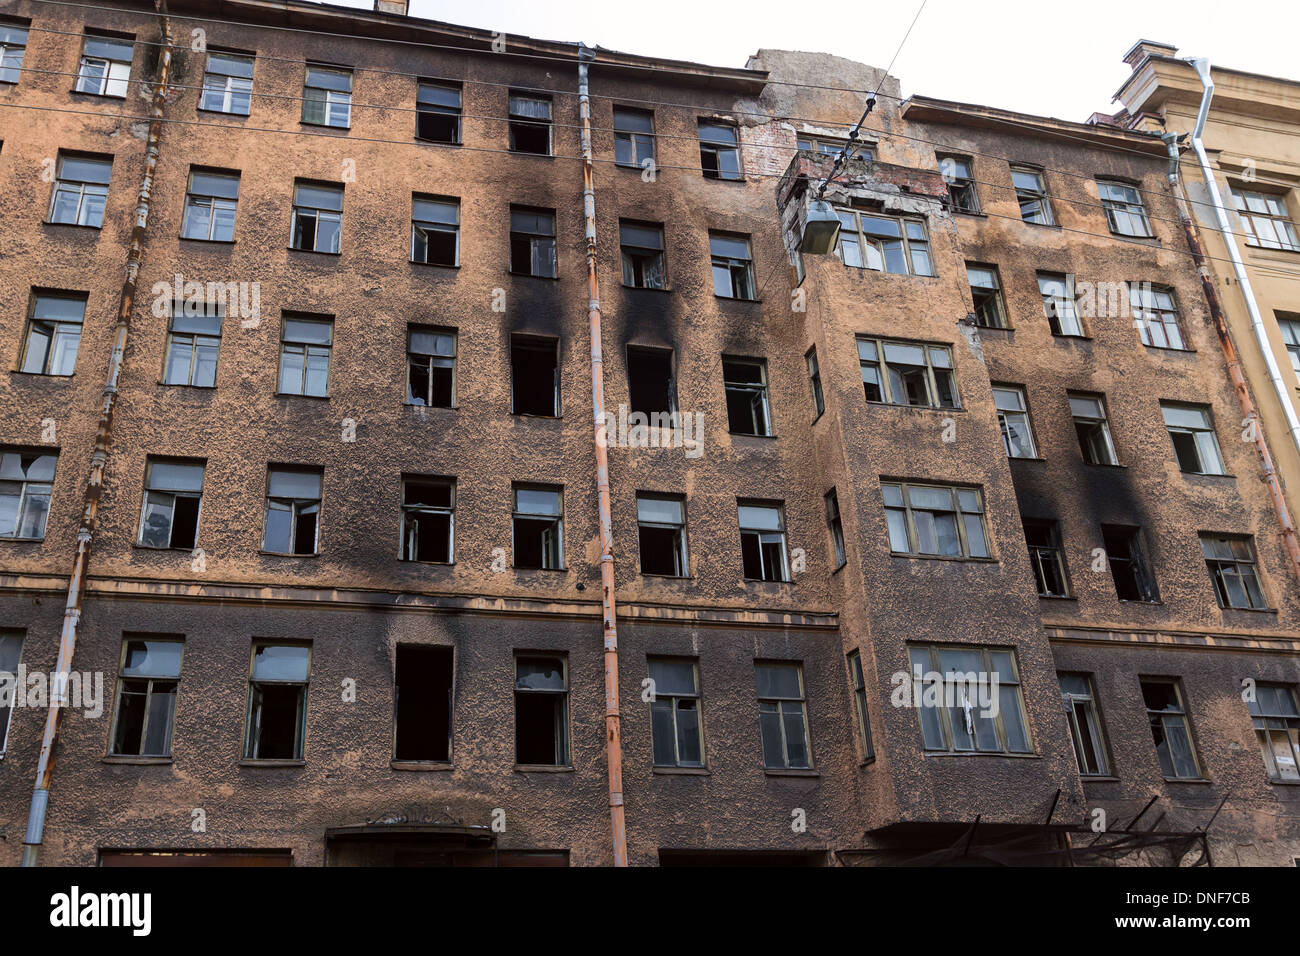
(99, 458)
(613, 733)
(1235, 372)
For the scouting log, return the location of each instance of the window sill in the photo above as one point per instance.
(683, 771)
(1273, 780)
(543, 768)
(1100, 464)
(981, 753)
(536, 417)
(732, 298)
(21, 540)
(286, 554)
(1057, 597)
(791, 772)
(98, 96)
(1250, 610)
(994, 328)
(73, 225)
(529, 275)
(271, 764)
(136, 761)
(1041, 225)
(1035, 458)
(420, 765)
(764, 581)
(314, 252)
(643, 288)
(1144, 240)
(137, 546)
(525, 152)
(839, 567)
(314, 398)
(973, 213)
(919, 408)
(1097, 778)
(204, 109)
(435, 564)
(667, 577)
(438, 142)
(208, 242)
(342, 129)
(435, 265)
(197, 388)
(1200, 781)
(745, 435)
(37, 376)
(515, 567)
(723, 179)
(1168, 348)
(942, 557)
(1074, 338)
(1131, 601)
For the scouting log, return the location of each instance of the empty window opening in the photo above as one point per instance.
(538, 527)
(1128, 563)
(277, 702)
(534, 375)
(745, 381)
(651, 388)
(530, 124)
(661, 528)
(423, 702)
(431, 367)
(437, 113)
(541, 711)
(428, 517)
(1043, 540)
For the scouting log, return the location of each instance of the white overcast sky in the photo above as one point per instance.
(1049, 57)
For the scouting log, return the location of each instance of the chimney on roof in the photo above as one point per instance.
(391, 6)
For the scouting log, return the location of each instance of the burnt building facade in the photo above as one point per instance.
(343, 597)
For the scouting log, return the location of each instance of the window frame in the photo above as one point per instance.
(196, 341)
(1244, 567)
(57, 333)
(308, 350)
(1279, 219)
(114, 749)
(1115, 203)
(556, 550)
(1150, 312)
(1027, 196)
(735, 267)
(431, 225)
(25, 492)
(1094, 720)
(174, 493)
(716, 148)
(943, 712)
(82, 188)
(332, 97)
(815, 382)
(885, 382)
(681, 547)
(295, 511)
(20, 635)
(212, 203)
(1004, 423)
(1103, 421)
(1139, 562)
(988, 301)
(300, 732)
(862, 709)
(959, 511)
(514, 119)
(1054, 306)
(1264, 722)
(564, 733)
(1196, 432)
(835, 526)
(409, 509)
(759, 395)
(781, 715)
(908, 244)
(635, 138)
(435, 360)
(1053, 552)
(635, 260)
(964, 184)
(675, 700)
(231, 85)
(1184, 716)
(317, 214)
(533, 238)
(441, 109)
(779, 536)
(112, 72)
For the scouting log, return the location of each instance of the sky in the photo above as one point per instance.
(1046, 57)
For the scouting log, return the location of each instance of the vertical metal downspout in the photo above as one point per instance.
(99, 458)
(1235, 373)
(1202, 67)
(613, 733)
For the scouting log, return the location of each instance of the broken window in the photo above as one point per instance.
(305, 346)
(910, 374)
(11, 650)
(836, 527)
(745, 382)
(435, 230)
(146, 697)
(173, 492)
(962, 195)
(935, 520)
(437, 112)
(1031, 193)
(661, 529)
(1093, 429)
(539, 527)
(193, 341)
(317, 217)
(884, 243)
(428, 519)
(1192, 433)
(634, 136)
(293, 499)
(676, 728)
(81, 190)
(541, 711)
(1231, 561)
(733, 267)
(1058, 295)
(210, 204)
(532, 242)
(783, 716)
(530, 124)
(650, 382)
(1013, 419)
(986, 294)
(277, 702)
(719, 151)
(762, 540)
(26, 483)
(823, 146)
(1125, 213)
(1045, 557)
(1128, 563)
(815, 381)
(642, 246)
(105, 65)
(327, 97)
(53, 333)
(422, 684)
(1080, 699)
(1169, 727)
(534, 375)
(1277, 728)
(13, 45)
(860, 710)
(227, 84)
(431, 366)
(1156, 315)
(1265, 220)
(960, 715)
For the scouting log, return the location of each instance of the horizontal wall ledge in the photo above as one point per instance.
(1182, 640)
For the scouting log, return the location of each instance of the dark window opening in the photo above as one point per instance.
(277, 702)
(437, 115)
(428, 507)
(532, 243)
(650, 381)
(535, 376)
(422, 696)
(530, 125)
(1045, 557)
(1128, 564)
(538, 528)
(661, 530)
(745, 382)
(541, 712)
